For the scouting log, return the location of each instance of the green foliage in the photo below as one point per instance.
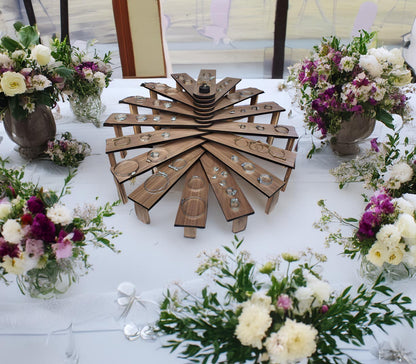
(203, 326)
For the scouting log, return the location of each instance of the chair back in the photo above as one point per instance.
(143, 52)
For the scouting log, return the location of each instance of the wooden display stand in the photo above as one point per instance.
(199, 133)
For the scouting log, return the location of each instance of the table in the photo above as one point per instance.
(154, 255)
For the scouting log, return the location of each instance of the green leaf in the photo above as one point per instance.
(28, 36)
(385, 117)
(10, 44)
(18, 25)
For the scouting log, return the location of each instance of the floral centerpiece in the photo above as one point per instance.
(42, 242)
(30, 84)
(338, 82)
(273, 314)
(67, 151)
(91, 74)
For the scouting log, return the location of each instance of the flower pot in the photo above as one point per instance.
(33, 133)
(54, 279)
(87, 109)
(352, 132)
(390, 272)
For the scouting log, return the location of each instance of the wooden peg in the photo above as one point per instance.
(189, 232)
(271, 202)
(253, 101)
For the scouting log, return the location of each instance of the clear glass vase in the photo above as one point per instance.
(390, 272)
(87, 109)
(54, 279)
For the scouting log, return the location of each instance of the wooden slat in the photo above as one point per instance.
(239, 112)
(206, 78)
(221, 181)
(141, 140)
(182, 97)
(262, 150)
(225, 154)
(143, 164)
(123, 120)
(146, 199)
(192, 210)
(277, 131)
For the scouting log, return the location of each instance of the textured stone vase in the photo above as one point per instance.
(33, 133)
(352, 132)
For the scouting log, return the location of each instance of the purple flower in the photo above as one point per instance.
(78, 235)
(63, 248)
(43, 228)
(35, 205)
(10, 249)
(374, 145)
(368, 224)
(284, 301)
(324, 309)
(34, 247)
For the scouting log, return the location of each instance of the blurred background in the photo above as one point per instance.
(233, 36)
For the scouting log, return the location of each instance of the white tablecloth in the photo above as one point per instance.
(154, 255)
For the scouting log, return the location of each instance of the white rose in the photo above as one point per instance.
(401, 77)
(41, 54)
(305, 297)
(401, 172)
(406, 225)
(12, 231)
(395, 255)
(370, 64)
(5, 208)
(378, 254)
(404, 206)
(411, 197)
(395, 57)
(59, 214)
(13, 83)
(388, 235)
(40, 82)
(321, 290)
(19, 265)
(99, 78)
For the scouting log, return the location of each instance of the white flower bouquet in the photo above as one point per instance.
(273, 314)
(337, 81)
(29, 75)
(42, 242)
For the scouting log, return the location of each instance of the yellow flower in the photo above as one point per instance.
(13, 83)
(41, 54)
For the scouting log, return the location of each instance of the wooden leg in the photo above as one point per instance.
(118, 131)
(189, 232)
(273, 121)
(239, 224)
(290, 143)
(287, 175)
(271, 202)
(112, 159)
(142, 213)
(121, 191)
(253, 101)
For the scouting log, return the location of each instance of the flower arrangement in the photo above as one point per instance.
(338, 81)
(66, 151)
(29, 75)
(91, 74)
(384, 237)
(271, 314)
(42, 242)
(380, 164)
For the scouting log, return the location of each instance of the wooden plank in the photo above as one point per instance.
(123, 120)
(192, 210)
(277, 131)
(141, 140)
(159, 183)
(229, 195)
(245, 168)
(182, 97)
(239, 112)
(239, 224)
(265, 151)
(130, 168)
